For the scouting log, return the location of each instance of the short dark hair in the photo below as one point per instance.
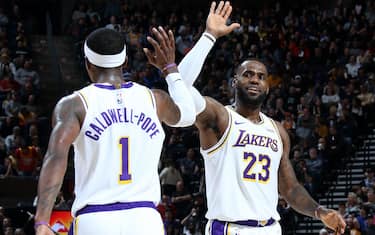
(106, 41)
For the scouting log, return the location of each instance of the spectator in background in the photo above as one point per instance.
(10, 167)
(184, 42)
(189, 167)
(305, 125)
(182, 199)
(352, 66)
(113, 24)
(27, 158)
(10, 140)
(26, 73)
(352, 205)
(79, 13)
(314, 165)
(169, 177)
(166, 205)
(11, 104)
(6, 65)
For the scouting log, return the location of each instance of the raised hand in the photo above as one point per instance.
(333, 220)
(217, 18)
(163, 56)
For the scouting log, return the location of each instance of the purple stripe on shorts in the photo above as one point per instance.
(114, 207)
(71, 228)
(112, 87)
(217, 228)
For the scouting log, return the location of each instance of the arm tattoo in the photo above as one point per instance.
(48, 196)
(301, 201)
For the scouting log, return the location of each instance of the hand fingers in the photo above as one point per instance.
(228, 11)
(219, 7)
(337, 231)
(342, 225)
(149, 55)
(159, 38)
(225, 9)
(154, 43)
(171, 37)
(165, 36)
(212, 8)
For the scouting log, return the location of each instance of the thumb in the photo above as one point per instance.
(234, 26)
(148, 55)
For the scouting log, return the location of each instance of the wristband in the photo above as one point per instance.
(37, 224)
(316, 212)
(168, 66)
(210, 37)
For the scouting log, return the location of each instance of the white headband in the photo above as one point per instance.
(105, 61)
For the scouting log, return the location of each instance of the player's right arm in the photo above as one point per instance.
(212, 118)
(66, 123)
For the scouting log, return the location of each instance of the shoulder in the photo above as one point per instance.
(69, 107)
(68, 101)
(282, 131)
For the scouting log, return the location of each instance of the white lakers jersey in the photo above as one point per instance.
(242, 170)
(119, 145)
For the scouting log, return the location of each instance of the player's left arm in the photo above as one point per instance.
(297, 196)
(177, 109)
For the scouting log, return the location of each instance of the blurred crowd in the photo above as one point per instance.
(20, 112)
(321, 74)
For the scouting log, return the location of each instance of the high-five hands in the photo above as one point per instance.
(217, 19)
(163, 56)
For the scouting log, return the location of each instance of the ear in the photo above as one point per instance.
(125, 64)
(234, 81)
(87, 64)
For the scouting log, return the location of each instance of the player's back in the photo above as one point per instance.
(119, 145)
(242, 171)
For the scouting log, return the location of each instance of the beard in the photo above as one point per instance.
(251, 101)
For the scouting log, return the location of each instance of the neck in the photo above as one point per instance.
(112, 76)
(249, 111)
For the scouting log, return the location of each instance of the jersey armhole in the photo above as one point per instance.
(152, 97)
(223, 139)
(83, 99)
(277, 132)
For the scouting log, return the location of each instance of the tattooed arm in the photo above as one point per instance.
(297, 196)
(66, 126)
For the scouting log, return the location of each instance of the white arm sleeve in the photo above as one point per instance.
(191, 65)
(182, 97)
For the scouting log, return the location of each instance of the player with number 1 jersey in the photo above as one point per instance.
(119, 124)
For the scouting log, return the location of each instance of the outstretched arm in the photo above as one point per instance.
(66, 127)
(297, 196)
(177, 109)
(191, 65)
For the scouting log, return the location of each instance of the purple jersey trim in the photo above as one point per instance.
(112, 87)
(114, 207)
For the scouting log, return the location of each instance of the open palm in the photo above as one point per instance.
(217, 18)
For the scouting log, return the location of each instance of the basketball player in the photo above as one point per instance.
(246, 153)
(115, 128)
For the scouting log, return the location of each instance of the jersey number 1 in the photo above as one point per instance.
(125, 177)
